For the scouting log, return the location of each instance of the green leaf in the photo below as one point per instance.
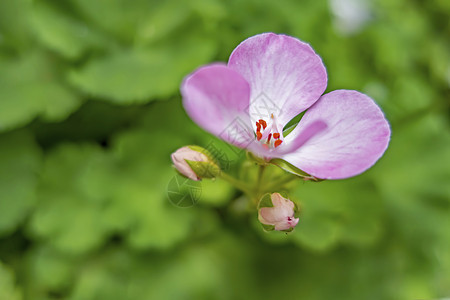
(413, 177)
(20, 161)
(339, 211)
(29, 88)
(120, 18)
(162, 19)
(155, 223)
(198, 272)
(141, 200)
(141, 75)
(14, 24)
(50, 269)
(74, 190)
(62, 33)
(211, 10)
(8, 288)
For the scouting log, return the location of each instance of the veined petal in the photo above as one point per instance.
(341, 135)
(217, 98)
(286, 76)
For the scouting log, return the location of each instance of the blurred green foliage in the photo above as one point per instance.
(84, 156)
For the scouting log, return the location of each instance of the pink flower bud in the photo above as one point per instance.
(179, 158)
(281, 215)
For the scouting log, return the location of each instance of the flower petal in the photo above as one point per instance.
(340, 136)
(286, 76)
(271, 215)
(217, 98)
(286, 224)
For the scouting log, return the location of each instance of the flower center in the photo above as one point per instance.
(268, 136)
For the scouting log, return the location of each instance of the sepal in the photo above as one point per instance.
(204, 169)
(293, 169)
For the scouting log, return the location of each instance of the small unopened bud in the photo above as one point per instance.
(277, 213)
(195, 163)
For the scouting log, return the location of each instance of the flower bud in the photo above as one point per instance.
(277, 213)
(195, 163)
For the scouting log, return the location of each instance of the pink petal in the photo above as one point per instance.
(286, 76)
(284, 206)
(286, 224)
(281, 210)
(340, 136)
(271, 215)
(217, 98)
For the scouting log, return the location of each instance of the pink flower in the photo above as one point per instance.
(281, 215)
(179, 158)
(270, 79)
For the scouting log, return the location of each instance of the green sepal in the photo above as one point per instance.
(284, 194)
(204, 169)
(256, 159)
(268, 227)
(287, 230)
(289, 129)
(296, 209)
(293, 170)
(265, 201)
(203, 151)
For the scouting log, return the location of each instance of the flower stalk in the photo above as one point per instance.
(236, 183)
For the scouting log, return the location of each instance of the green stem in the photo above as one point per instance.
(260, 176)
(281, 182)
(235, 182)
(257, 188)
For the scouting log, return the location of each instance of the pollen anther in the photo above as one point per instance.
(263, 123)
(258, 135)
(277, 143)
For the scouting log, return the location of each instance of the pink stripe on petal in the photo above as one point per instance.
(217, 98)
(285, 75)
(350, 135)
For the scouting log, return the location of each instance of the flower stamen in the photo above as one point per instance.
(271, 139)
(258, 135)
(277, 143)
(263, 123)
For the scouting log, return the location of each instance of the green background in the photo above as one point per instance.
(90, 111)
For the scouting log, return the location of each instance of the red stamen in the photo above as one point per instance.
(278, 143)
(268, 138)
(258, 126)
(263, 123)
(276, 135)
(258, 135)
